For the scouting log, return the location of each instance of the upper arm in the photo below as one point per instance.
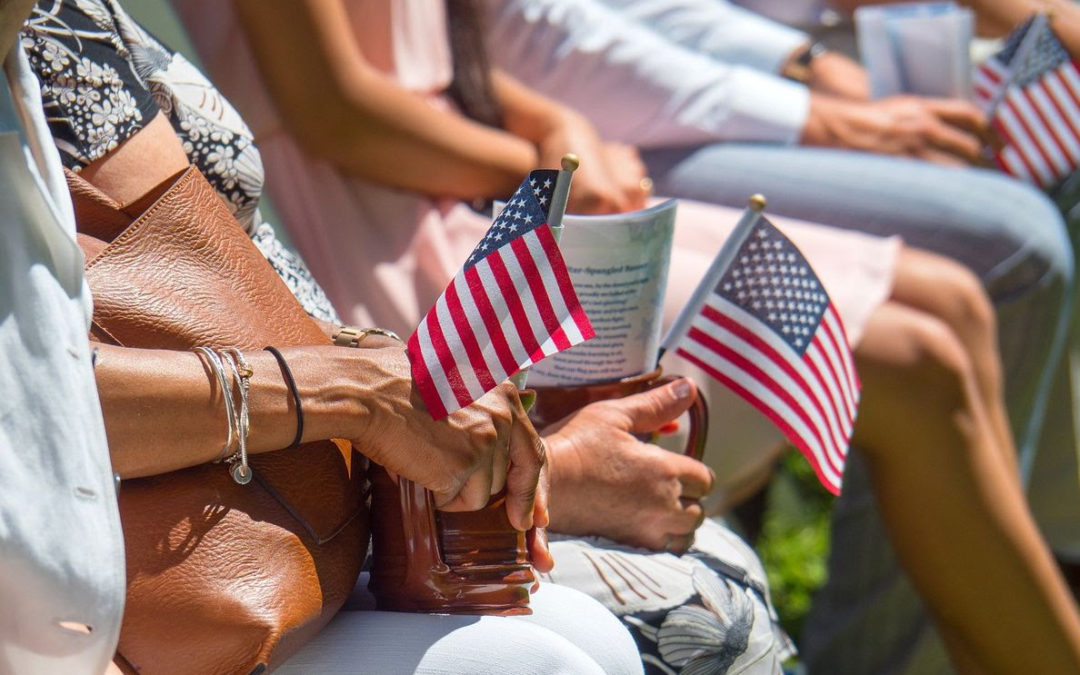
(308, 58)
(343, 109)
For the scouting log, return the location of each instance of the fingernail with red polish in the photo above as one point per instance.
(669, 428)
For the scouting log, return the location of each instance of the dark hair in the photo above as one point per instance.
(471, 88)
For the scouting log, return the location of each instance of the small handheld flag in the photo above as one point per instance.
(1031, 92)
(510, 306)
(761, 323)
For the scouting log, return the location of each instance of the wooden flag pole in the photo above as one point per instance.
(754, 208)
(560, 195)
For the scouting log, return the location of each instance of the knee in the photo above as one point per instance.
(922, 394)
(936, 369)
(965, 305)
(1039, 227)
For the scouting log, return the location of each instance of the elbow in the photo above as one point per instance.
(319, 129)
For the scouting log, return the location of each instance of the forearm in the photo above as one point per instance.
(527, 113)
(637, 87)
(344, 110)
(164, 410)
(998, 17)
(721, 30)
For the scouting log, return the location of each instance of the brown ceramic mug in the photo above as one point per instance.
(425, 560)
(554, 403)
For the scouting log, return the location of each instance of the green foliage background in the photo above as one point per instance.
(794, 540)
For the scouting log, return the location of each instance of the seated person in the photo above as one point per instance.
(952, 359)
(176, 399)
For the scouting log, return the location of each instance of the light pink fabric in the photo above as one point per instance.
(384, 255)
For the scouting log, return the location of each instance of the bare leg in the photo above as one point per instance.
(954, 511)
(947, 290)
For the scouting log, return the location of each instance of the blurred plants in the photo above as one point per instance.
(794, 540)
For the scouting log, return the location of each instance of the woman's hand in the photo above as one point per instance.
(596, 188)
(463, 459)
(946, 131)
(606, 482)
(628, 172)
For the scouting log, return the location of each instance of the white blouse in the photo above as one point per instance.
(61, 547)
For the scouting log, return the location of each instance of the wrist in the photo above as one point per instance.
(815, 131)
(799, 66)
(329, 385)
(562, 129)
(826, 120)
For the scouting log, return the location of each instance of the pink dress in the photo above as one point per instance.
(384, 255)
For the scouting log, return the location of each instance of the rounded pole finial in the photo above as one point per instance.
(570, 162)
(757, 202)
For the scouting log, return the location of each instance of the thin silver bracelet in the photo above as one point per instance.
(218, 367)
(240, 470)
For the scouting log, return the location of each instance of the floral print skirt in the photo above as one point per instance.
(707, 612)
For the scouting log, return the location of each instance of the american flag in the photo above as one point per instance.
(768, 331)
(1031, 91)
(511, 305)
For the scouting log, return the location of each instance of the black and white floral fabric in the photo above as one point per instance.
(707, 612)
(103, 78)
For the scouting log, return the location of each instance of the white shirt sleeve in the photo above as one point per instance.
(633, 84)
(804, 13)
(717, 28)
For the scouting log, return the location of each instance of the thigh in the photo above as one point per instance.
(389, 643)
(587, 624)
(710, 606)
(1008, 233)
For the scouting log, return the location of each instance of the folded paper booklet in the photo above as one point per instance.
(619, 266)
(916, 48)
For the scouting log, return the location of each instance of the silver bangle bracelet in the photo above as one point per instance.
(218, 368)
(240, 470)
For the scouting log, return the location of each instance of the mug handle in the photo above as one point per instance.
(699, 419)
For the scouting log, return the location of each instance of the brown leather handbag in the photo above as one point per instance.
(222, 578)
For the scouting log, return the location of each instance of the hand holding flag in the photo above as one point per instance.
(761, 323)
(510, 306)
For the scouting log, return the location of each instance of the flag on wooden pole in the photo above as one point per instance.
(1031, 92)
(510, 306)
(762, 324)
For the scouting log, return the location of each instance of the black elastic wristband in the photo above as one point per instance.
(287, 374)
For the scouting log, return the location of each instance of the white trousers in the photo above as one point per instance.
(568, 632)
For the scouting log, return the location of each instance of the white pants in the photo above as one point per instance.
(567, 632)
